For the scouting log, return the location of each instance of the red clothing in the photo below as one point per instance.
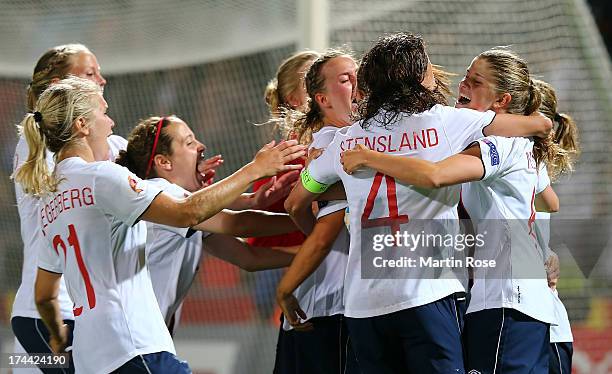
(285, 240)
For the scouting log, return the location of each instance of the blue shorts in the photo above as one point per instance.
(560, 358)
(324, 350)
(506, 341)
(152, 363)
(423, 339)
(34, 338)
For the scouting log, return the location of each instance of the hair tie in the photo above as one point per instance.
(38, 117)
(157, 132)
(557, 117)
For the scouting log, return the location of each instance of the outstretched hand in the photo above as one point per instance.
(271, 159)
(275, 189)
(207, 167)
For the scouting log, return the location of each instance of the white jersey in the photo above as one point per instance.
(173, 257)
(562, 332)
(27, 205)
(502, 209)
(432, 135)
(321, 294)
(94, 239)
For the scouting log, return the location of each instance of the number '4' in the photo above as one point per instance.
(394, 219)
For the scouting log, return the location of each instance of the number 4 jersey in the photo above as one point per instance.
(95, 240)
(379, 200)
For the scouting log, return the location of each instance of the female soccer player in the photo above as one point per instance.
(407, 324)
(90, 213)
(29, 330)
(566, 135)
(319, 344)
(173, 255)
(284, 93)
(510, 308)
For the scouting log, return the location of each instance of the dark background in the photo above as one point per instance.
(602, 12)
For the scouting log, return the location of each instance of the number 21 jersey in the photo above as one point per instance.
(95, 240)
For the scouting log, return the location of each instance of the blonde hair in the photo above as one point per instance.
(289, 79)
(511, 75)
(303, 125)
(51, 127)
(55, 63)
(565, 133)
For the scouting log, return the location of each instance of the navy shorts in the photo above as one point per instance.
(560, 358)
(324, 350)
(506, 341)
(152, 363)
(423, 339)
(34, 338)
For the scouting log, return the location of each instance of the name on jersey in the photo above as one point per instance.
(64, 201)
(426, 138)
(531, 162)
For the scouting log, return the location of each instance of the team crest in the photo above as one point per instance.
(474, 372)
(134, 184)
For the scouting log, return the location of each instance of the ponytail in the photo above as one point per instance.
(34, 175)
(565, 147)
(271, 98)
(306, 124)
(565, 137)
(534, 100)
(51, 127)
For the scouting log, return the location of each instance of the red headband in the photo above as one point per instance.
(157, 132)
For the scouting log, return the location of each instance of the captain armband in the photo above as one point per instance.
(310, 184)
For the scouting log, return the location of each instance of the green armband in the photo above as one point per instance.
(310, 184)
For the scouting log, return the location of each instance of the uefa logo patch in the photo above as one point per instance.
(134, 185)
(493, 153)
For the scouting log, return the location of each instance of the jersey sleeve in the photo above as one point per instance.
(329, 207)
(322, 170)
(122, 194)
(464, 126)
(178, 193)
(543, 178)
(50, 260)
(116, 144)
(494, 152)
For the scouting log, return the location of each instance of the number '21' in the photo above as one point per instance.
(73, 240)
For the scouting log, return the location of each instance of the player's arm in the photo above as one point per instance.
(466, 166)
(299, 207)
(247, 223)
(210, 200)
(518, 125)
(547, 201)
(334, 192)
(243, 255)
(312, 252)
(46, 292)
